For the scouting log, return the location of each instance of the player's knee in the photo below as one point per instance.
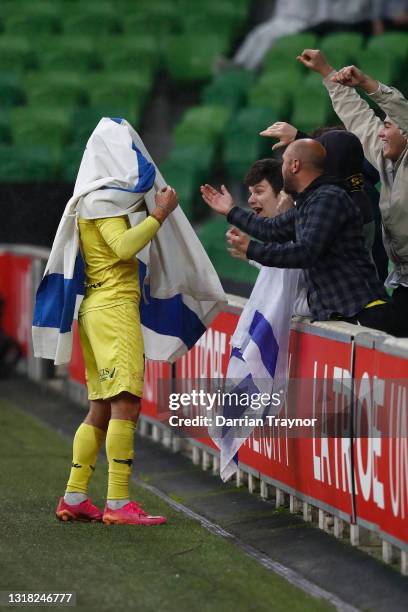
(125, 406)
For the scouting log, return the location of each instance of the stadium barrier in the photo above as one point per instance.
(354, 484)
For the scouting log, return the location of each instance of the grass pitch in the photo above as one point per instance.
(174, 567)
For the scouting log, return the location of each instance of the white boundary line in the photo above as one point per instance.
(285, 572)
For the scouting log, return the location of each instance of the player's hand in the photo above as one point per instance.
(315, 60)
(166, 198)
(221, 202)
(166, 201)
(284, 132)
(239, 243)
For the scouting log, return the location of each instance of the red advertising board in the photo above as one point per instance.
(76, 368)
(207, 360)
(16, 290)
(381, 457)
(315, 466)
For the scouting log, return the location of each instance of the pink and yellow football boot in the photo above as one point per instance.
(130, 514)
(85, 511)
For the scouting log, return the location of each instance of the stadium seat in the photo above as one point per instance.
(157, 16)
(221, 17)
(126, 90)
(183, 182)
(186, 169)
(201, 24)
(191, 58)
(130, 53)
(227, 10)
(276, 90)
(383, 67)
(33, 19)
(97, 19)
(229, 89)
(83, 121)
(26, 163)
(201, 125)
(284, 51)
(242, 143)
(5, 130)
(237, 8)
(342, 48)
(46, 127)
(390, 52)
(76, 53)
(294, 44)
(281, 62)
(196, 159)
(313, 108)
(69, 162)
(212, 236)
(15, 54)
(11, 89)
(58, 89)
(391, 43)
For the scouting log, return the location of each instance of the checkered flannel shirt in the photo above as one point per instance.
(323, 235)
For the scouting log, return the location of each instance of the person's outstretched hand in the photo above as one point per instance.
(239, 243)
(315, 60)
(284, 132)
(221, 202)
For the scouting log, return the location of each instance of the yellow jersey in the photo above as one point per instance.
(108, 247)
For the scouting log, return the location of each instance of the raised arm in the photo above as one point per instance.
(126, 242)
(389, 99)
(353, 111)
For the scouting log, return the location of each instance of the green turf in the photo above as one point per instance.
(174, 567)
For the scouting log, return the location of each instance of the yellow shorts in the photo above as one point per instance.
(113, 350)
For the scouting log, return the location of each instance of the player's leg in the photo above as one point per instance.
(120, 447)
(88, 439)
(123, 386)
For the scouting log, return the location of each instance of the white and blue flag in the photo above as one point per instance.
(181, 290)
(259, 359)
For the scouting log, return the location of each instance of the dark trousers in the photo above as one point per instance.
(381, 317)
(400, 303)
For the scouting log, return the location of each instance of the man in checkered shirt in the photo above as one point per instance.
(323, 235)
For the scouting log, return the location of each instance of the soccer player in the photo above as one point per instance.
(112, 345)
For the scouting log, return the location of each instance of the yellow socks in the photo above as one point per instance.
(119, 450)
(87, 442)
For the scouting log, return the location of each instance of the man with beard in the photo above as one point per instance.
(322, 235)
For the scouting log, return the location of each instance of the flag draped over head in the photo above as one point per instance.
(182, 292)
(259, 359)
